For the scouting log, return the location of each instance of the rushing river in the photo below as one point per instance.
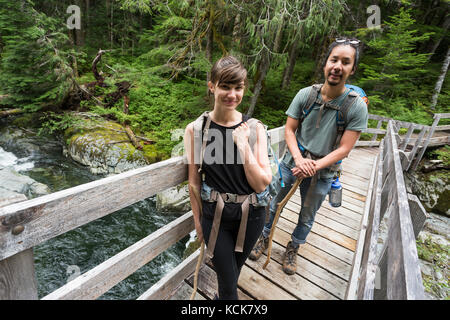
(62, 258)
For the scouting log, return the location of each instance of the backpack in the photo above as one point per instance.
(201, 137)
(341, 114)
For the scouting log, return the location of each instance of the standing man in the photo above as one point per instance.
(323, 124)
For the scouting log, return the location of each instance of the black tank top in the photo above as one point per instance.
(223, 169)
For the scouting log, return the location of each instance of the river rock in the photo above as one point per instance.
(433, 190)
(174, 199)
(13, 184)
(104, 147)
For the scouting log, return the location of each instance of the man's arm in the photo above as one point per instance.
(348, 140)
(304, 166)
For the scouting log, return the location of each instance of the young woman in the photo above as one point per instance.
(232, 179)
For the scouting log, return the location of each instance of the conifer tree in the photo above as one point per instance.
(35, 70)
(397, 67)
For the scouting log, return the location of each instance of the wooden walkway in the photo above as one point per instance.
(324, 262)
(339, 261)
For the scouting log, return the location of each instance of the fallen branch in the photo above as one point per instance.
(132, 137)
(97, 59)
(117, 142)
(6, 113)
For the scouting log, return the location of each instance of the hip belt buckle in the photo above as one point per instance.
(230, 197)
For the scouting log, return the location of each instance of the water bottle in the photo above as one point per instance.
(335, 195)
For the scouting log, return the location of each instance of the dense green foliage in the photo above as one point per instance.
(166, 48)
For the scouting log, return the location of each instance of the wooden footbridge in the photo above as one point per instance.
(345, 257)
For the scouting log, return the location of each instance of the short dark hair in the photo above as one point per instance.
(228, 70)
(344, 41)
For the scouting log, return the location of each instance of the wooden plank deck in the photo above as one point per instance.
(324, 263)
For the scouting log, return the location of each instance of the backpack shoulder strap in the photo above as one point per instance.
(200, 137)
(312, 98)
(345, 107)
(341, 116)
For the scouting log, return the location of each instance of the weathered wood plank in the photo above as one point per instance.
(367, 281)
(314, 273)
(296, 285)
(183, 292)
(317, 256)
(51, 215)
(418, 213)
(207, 283)
(165, 287)
(406, 139)
(356, 190)
(258, 286)
(404, 276)
(318, 241)
(348, 208)
(427, 141)
(100, 279)
(350, 205)
(416, 146)
(329, 214)
(292, 215)
(276, 135)
(17, 273)
(349, 180)
(361, 143)
(442, 128)
(351, 222)
(379, 124)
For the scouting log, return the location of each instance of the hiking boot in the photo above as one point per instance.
(261, 245)
(290, 259)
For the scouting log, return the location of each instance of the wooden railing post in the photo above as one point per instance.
(17, 274)
(437, 117)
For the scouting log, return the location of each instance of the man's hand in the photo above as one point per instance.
(304, 168)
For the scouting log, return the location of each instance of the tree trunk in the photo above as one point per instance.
(440, 81)
(263, 68)
(319, 69)
(289, 70)
(278, 36)
(209, 43)
(445, 26)
(292, 59)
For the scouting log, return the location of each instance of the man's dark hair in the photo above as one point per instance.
(343, 41)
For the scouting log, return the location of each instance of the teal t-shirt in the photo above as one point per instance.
(320, 141)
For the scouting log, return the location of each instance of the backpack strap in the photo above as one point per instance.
(312, 98)
(200, 138)
(341, 117)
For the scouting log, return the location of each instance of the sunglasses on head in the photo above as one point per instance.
(345, 40)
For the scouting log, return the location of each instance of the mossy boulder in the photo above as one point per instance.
(174, 199)
(433, 190)
(104, 147)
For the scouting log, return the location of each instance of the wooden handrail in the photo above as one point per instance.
(403, 276)
(106, 275)
(51, 215)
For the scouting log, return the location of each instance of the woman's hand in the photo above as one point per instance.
(241, 134)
